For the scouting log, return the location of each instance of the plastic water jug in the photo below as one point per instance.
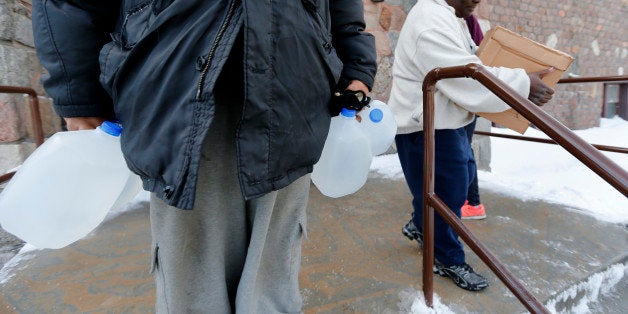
(131, 188)
(65, 188)
(379, 126)
(346, 158)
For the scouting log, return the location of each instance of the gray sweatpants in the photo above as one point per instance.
(227, 255)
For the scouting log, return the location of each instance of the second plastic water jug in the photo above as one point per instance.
(66, 187)
(346, 158)
(379, 126)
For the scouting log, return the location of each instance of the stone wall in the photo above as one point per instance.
(19, 67)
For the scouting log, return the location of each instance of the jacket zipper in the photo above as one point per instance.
(212, 50)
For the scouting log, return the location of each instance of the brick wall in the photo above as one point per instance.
(592, 31)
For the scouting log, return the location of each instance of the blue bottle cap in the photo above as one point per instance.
(348, 112)
(111, 128)
(376, 115)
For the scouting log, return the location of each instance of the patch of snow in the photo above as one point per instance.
(413, 301)
(6, 273)
(588, 292)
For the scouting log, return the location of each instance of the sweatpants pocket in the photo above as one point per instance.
(161, 302)
(154, 258)
(303, 226)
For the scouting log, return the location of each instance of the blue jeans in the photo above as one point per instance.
(474, 192)
(454, 167)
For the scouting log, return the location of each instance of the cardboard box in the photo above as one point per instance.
(501, 47)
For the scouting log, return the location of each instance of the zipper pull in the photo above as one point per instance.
(200, 63)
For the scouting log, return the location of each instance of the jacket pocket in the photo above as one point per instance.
(325, 47)
(417, 114)
(111, 55)
(303, 228)
(135, 24)
(154, 258)
(316, 20)
(160, 5)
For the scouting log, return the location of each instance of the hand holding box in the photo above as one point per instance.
(502, 47)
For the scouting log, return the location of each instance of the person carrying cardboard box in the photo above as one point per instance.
(435, 35)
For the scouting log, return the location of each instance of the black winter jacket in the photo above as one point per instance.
(153, 64)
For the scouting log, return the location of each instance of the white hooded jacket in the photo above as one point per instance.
(432, 37)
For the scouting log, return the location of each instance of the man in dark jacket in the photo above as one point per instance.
(224, 106)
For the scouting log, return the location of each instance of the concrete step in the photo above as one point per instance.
(355, 260)
(548, 247)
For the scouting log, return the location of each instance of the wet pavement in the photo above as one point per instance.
(9, 246)
(354, 261)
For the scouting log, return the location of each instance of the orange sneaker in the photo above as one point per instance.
(473, 212)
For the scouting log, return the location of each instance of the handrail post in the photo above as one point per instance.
(428, 191)
(33, 102)
(36, 118)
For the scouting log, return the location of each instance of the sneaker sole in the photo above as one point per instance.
(473, 217)
(462, 285)
(438, 272)
(408, 234)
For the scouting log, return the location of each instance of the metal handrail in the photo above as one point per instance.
(35, 117)
(6, 177)
(595, 79)
(614, 149)
(582, 150)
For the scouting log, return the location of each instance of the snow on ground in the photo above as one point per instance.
(529, 170)
(413, 301)
(599, 284)
(586, 294)
(8, 269)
